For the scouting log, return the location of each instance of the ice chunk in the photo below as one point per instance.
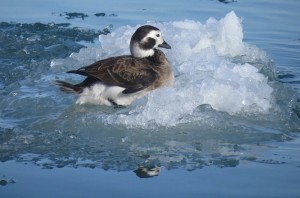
(230, 37)
(209, 73)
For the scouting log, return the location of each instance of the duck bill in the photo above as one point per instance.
(165, 45)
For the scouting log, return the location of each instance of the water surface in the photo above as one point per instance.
(229, 127)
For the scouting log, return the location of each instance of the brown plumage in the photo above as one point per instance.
(134, 74)
(130, 73)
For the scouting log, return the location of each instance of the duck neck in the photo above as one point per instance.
(138, 52)
(158, 57)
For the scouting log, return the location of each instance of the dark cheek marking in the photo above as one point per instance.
(149, 44)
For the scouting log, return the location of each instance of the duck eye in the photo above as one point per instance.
(157, 35)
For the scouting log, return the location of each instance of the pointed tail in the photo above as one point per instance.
(68, 88)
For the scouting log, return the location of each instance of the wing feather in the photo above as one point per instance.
(134, 74)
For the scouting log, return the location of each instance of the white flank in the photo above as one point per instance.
(100, 94)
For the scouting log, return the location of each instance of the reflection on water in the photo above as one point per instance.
(122, 151)
(4, 181)
(146, 172)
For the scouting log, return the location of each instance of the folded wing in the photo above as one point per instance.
(125, 71)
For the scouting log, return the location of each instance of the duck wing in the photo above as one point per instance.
(134, 74)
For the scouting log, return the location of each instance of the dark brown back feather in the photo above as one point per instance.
(134, 74)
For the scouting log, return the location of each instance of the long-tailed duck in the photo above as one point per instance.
(122, 79)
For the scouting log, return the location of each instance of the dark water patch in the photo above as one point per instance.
(270, 161)
(289, 77)
(28, 48)
(4, 181)
(15, 36)
(100, 14)
(74, 15)
(225, 162)
(79, 15)
(286, 75)
(296, 110)
(227, 1)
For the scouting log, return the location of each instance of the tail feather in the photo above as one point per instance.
(68, 87)
(80, 72)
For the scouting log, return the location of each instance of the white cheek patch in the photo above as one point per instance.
(153, 34)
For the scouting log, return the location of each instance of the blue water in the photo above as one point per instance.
(198, 138)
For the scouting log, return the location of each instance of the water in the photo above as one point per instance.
(230, 123)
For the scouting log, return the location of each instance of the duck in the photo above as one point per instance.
(120, 80)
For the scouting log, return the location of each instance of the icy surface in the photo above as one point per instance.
(204, 60)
